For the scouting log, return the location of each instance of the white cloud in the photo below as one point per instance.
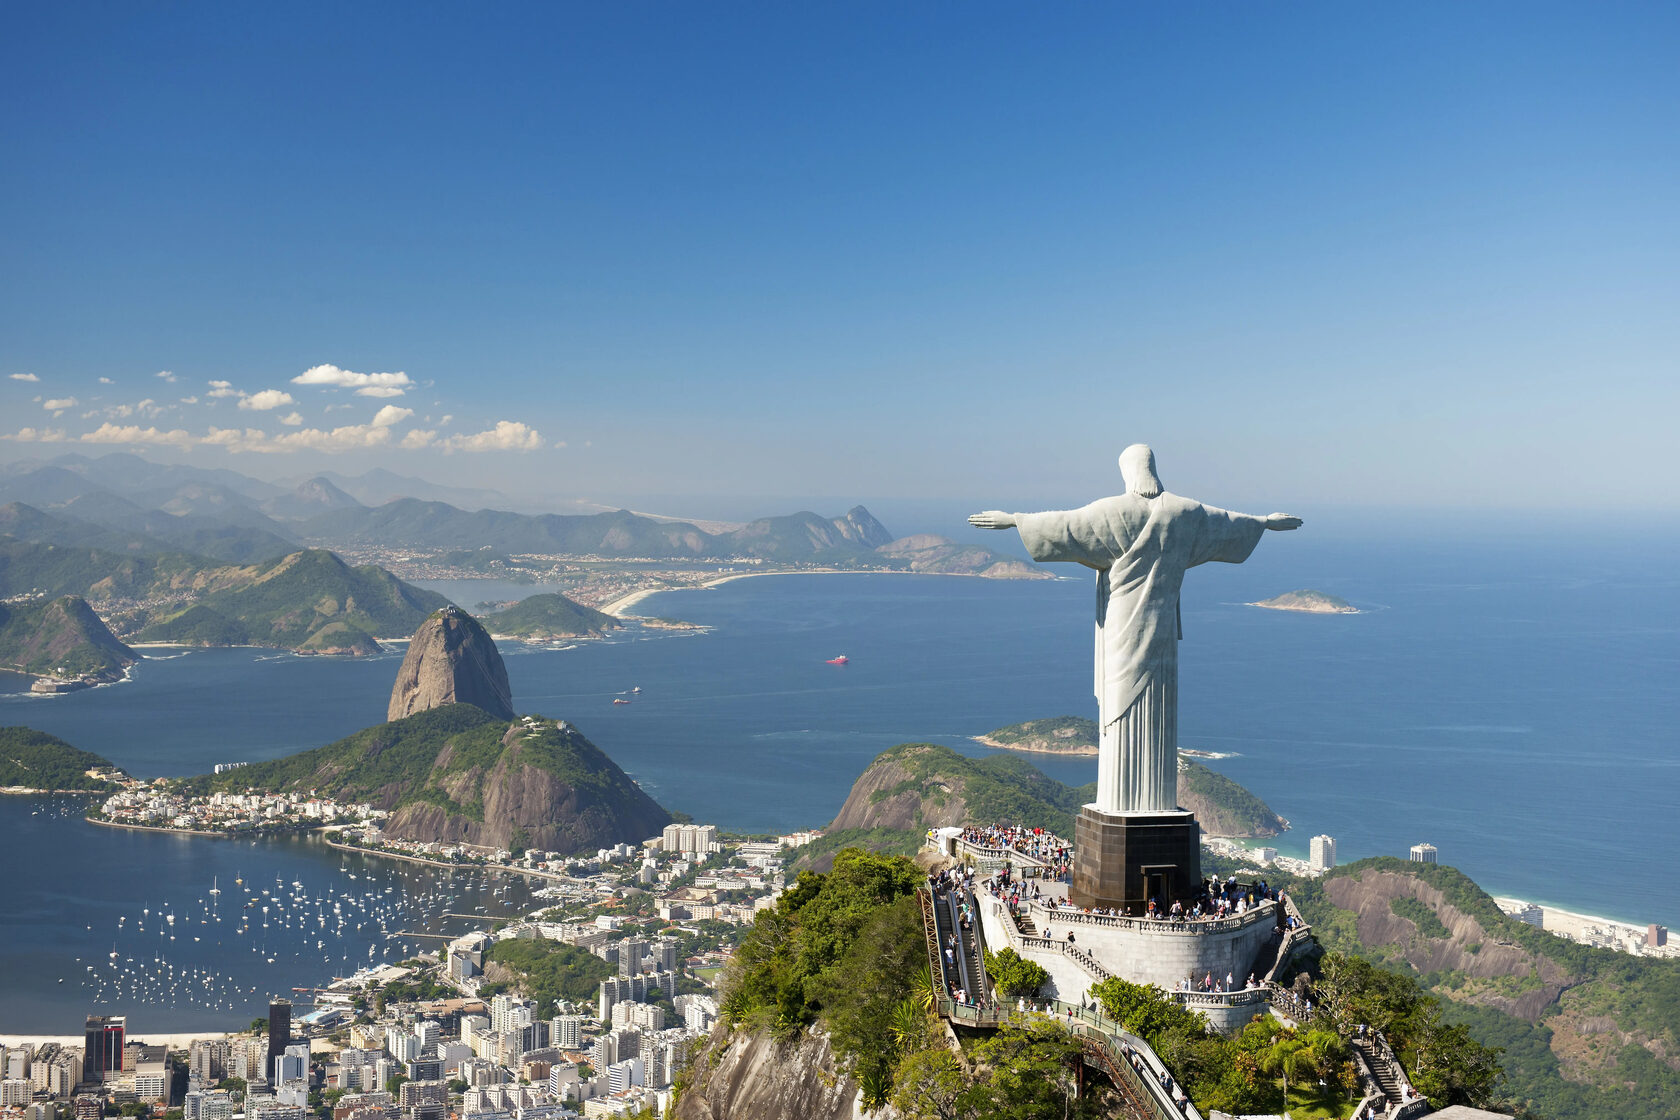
(56, 405)
(223, 389)
(292, 419)
(351, 437)
(416, 438)
(38, 435)
(265, 400)
(189, 400)
(166, 376)
(132, 433)
(446, 418)
(27, 377)
(507, 435)
(391, 414)
(365, 384)
(106, 381)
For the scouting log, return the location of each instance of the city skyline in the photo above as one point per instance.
(1316, 255)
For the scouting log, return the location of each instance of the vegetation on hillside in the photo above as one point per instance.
(995, 788)
(457, 757)
(284, 602)
(549, 616)
(94, 573)
(35, 760)
(62, 637)
(551, 971)
(389, 762)
(1070, 733)
(1266, 1068)
(1238, 812)
(844, 952)
(1605, 1047)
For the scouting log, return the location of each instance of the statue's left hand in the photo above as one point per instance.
(992, 519)
(1282, 521)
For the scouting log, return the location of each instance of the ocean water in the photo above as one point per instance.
(1509, 700)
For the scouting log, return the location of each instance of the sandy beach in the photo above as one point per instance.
(176, 1041)
(620, 607)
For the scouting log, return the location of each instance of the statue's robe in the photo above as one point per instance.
(1140, 548)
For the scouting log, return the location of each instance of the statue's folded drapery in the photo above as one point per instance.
(1140, 547)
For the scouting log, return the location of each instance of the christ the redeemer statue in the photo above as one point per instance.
(1140, 543)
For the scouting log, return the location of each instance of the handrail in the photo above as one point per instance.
(1262, 910)
(1197, 998)
(1092, 1024)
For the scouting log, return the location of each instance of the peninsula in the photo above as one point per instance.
(1307, 602)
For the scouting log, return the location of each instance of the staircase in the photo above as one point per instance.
(1383, 1071)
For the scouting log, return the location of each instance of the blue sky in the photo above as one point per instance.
(1413, 254)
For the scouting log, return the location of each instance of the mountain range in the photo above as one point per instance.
(122, 503)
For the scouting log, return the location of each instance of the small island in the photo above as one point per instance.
(1308, 602)
(1064, 735)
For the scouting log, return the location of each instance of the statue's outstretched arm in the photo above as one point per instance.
(1278, 521)
(997, 519)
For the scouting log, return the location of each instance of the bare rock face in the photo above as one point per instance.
(451, 660)
(751, 1076)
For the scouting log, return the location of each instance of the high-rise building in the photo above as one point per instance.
(1423, 853)
(279, 1032)
(1321, 853)
(566, 1032)
(103, 1052)
(1656, 936)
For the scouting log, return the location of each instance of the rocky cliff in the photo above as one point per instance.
(1454, 942)
(451, 660)
(546, 786)
(750, 1076)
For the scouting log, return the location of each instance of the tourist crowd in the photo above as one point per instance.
(1040, 845)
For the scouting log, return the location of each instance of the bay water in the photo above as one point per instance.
(1510, 700)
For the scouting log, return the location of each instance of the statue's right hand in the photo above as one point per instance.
(992, 519)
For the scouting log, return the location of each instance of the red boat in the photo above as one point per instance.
(841, 660)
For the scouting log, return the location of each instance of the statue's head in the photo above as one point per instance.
(1137, 467)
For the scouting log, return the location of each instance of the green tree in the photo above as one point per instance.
(1013, 975)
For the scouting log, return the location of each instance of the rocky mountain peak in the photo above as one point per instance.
(451, 660)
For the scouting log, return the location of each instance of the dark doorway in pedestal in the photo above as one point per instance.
(1155, 881)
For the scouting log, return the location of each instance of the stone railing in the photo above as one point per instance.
(1239, 998)
(1043, 915)
(1412, 1103)
(1291, 1005)
(1019, 941)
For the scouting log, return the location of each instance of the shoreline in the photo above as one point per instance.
(617, 607)
(174, 1040)
(988, 741)
(1305, 610)
(551, 876)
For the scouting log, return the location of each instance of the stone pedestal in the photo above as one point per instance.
(1125, 859)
